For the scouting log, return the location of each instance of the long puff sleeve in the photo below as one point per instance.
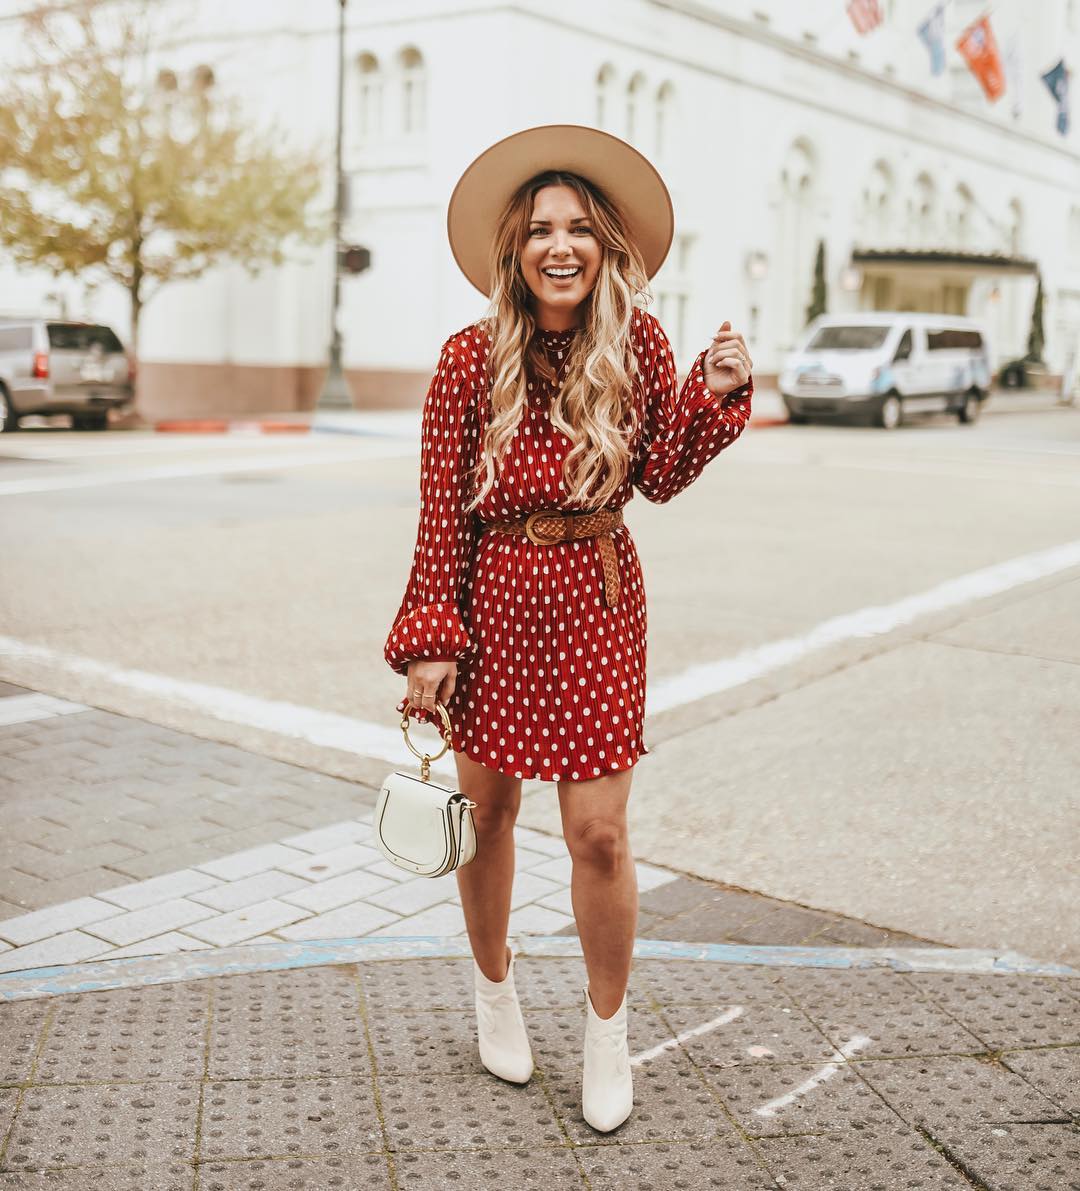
(428, 624)
(684, 429)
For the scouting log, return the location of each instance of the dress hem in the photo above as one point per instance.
(552, 776)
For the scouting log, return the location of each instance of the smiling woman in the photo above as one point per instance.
(524, 615)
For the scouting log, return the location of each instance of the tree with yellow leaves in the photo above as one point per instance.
(110, 165)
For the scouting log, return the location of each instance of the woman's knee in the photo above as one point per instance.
(601, 842)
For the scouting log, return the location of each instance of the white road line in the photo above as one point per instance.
(162, 444)
(964, 470)
(93, 479)
(1035, 446)
(326, 729)
(365, 739)
(729, 1015)
(709, 678)
(58, 447)
(771, 1107)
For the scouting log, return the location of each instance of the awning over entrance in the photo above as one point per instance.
(997, 287)
(994, 263)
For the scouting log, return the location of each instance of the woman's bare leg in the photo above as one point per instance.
(603, 889)
(487, 881)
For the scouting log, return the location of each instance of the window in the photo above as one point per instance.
(81, 337)
(795, 220)
(1015, 227)
(953, 299)
(369, 97)
(14, 339)
(635, 93)
(672, 288)
(605, 86)
(903, 348)
(923, 210)
(203, 78)
(875, 221)
(664, 97)
(961, 217)
(952, 338)
(1072, 238)
(850, 339)
(413, 91)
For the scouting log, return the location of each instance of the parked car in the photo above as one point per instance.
(882, 365)
(53, 366)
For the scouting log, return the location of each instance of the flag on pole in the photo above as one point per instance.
(979, 49)
(865, 14)
(932, 33)
(1057, 80)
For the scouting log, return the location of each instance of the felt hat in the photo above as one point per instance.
(626, 176)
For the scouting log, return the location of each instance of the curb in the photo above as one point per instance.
(229, 426)
(202, 964)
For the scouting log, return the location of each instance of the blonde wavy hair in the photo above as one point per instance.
(594, 407)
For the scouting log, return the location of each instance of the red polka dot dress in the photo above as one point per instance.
(550, 679)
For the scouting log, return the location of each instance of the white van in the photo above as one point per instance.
(884, 364)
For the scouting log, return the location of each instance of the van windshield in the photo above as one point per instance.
(850, 339)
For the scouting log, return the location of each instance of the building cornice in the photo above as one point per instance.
(609, 37)
(760, 32)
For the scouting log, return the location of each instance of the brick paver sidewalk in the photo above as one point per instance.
(264, 1017)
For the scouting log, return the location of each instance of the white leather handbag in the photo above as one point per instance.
(421, 826)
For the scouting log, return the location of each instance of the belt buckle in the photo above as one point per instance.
(531, 533)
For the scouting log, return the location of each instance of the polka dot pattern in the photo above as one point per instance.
(550, 680)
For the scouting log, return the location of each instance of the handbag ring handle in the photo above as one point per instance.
(446, 732)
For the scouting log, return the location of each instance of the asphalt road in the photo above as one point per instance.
(864, 647)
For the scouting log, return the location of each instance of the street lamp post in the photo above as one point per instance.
(335, 393)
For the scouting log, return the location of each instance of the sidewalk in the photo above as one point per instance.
(210, 978)
(768, 410)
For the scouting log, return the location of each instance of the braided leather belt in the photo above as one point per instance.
(545, 527)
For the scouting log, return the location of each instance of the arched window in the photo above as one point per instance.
(923, 213)
(962, 217)
(413, 91)
(202, 77)
(635, 92)
(797, 231)
(672, 286)
(368, 97)
(664, 100)
(1072, 235)
(605, 87)
(1016, 230)
(876, 217)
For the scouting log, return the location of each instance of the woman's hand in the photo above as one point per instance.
(727, 361)
(428, 681)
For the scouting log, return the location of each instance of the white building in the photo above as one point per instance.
(776, 125)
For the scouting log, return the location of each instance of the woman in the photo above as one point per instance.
(524, 613)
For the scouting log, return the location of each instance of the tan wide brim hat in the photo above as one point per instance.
(626, 176)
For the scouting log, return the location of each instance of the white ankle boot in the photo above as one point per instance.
(504, 1045)
(607, 1087)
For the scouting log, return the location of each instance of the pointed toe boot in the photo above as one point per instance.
(607, 1087)
(504, 1045)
